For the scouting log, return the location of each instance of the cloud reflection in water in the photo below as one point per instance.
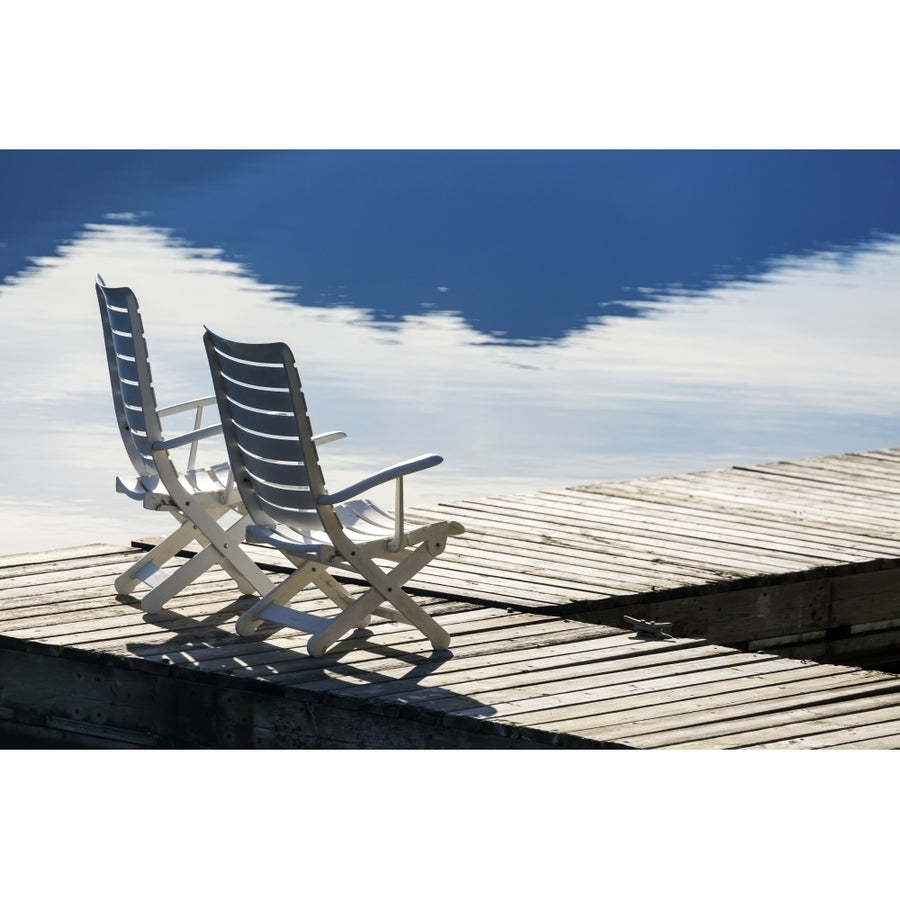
(801, 361)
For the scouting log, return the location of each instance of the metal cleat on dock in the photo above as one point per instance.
(654, 629)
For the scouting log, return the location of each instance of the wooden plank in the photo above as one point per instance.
(15, 560)
(92, 571)
(855, 483)
(763, 519)
(741, 708)
(629, 563)
(678, 534)
(875, 736)
(581, 686)
(773, 524)
(770, 491)
(829, 722)
(655, 708)
(722, 558)
(816, 491)
(530, 667)
(477, 633)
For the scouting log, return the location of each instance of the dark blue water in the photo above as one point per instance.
(525, 245)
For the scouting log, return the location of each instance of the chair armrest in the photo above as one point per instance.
(397, 471)
(186, 406)
(326, 437)
(188, 437)
(194, 437)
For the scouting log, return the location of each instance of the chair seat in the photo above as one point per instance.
(367, 524)
(211, 484)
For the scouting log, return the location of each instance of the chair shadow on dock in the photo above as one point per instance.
(383, 664)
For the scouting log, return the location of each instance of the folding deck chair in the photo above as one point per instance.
(277, 471)
(198, 498)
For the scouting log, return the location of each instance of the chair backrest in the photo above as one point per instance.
(129, 374)
(267, 431)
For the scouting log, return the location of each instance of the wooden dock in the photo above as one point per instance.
(801, 556)
(773, 577)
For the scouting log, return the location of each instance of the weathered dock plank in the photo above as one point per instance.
(183, 678)
(760, 569)
(804, 555)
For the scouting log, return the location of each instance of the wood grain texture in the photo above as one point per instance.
(759, 569)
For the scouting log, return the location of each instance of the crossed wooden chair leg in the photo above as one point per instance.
(225, 551)
(385, 598)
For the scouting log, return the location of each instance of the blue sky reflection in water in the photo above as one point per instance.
(540, 319)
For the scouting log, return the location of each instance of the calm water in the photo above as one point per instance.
(539, 319)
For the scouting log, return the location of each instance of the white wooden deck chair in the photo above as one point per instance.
(197, 497)
(277, 471)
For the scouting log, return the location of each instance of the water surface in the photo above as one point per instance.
(539, 319)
